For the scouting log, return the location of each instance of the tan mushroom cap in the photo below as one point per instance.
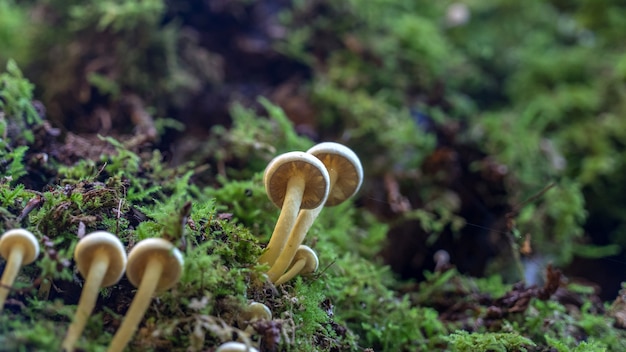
(150, 249)
(20, 237)
(85, 250)
(288, 165)
(345, 164)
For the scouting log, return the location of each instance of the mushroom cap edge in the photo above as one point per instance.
(23, 236)
(101, 240)
(349, 175)
(158, 248)
(284, 166)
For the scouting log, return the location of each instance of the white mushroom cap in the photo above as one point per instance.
(345, 165)
(101, 241)
(235, 347)
(160, 249)
(285, 166)
(304, 262)
(311, 262)
(20, 237)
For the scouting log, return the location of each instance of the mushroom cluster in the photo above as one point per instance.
(293, 181)
(301, 184)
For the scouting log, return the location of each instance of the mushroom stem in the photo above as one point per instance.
(88, 299)
(286, 220)
(14, 263)
(298, 232)
(138, 306)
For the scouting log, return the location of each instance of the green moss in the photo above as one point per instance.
(544, 100)
(17, 118)
(14, 32)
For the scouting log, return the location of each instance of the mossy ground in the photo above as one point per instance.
(487, 129)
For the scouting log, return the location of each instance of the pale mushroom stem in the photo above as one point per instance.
(286, 220)
(296, 236)
(292, 272)
(138, 306)
(14, 262)
(87, 300)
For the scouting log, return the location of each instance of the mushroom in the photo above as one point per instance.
(442, 260)
(235, 347)
(254, 312)
(293, 181)
(154, 264)
(101, 260)
(19, 247)
(304, 262)
(346, 175)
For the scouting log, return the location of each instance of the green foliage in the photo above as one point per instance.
(366, 302)
(16, 94)
(383, 49)
(565, 323)
(12, 196)
(125, 161)
(406, 328)
(563, 207)
(117, 15)
(28, 334)
(463, 341)
(247, 201)
(15, 30)
(373, 124)
(254, 139)
(144, 54)
(585, 346)
(543, 99)
(308, 313)
(17, 118)
(15, 159)
(493, 285)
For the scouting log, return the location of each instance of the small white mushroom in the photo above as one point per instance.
(19, 247)
(235, 347)
(101, 260)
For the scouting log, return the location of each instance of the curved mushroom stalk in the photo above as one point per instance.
(19, 247)
(346, 175)
(101, 260)
(304, 262)
(154, 264)
(293, 181)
